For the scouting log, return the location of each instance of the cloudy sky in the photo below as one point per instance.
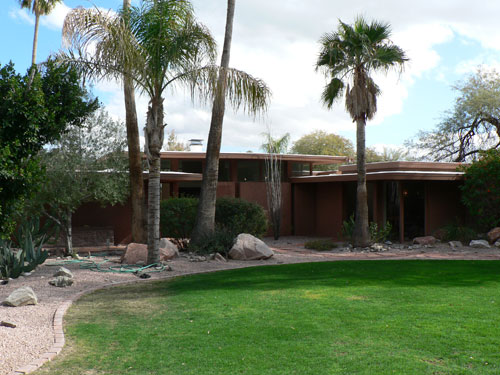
(277, 41)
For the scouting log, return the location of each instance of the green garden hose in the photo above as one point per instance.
(89, 264)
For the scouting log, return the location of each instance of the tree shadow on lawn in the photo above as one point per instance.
(382, 273)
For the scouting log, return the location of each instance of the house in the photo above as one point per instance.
(417, 198)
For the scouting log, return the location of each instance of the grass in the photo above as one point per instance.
(368, 317)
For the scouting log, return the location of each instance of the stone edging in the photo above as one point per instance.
(57, 322)
(57, 325)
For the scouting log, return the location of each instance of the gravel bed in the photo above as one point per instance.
(33, 334)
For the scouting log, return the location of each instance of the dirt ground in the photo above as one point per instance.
(34, 333)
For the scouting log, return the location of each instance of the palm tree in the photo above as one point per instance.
(38, 8)
(348, 57)
(134, 153)
(160, 46)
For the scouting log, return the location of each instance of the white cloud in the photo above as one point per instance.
(278, 42)
(55, 19)
(21, 15)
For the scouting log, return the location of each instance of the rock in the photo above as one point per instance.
(134, 253)
(219, 258)
(21, 297)
(137, 253)
(248, 247)
(61, 281)
(63, 272)
(168, 250)
(480, 244)
(197, 258)
(427, 240)
(497, 244)
(377, 247)
(494, 235)
(455, 244)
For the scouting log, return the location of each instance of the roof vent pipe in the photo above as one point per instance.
(196, 145)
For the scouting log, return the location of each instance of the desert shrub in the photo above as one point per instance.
(380, 234)
(11, 261)
(232, 215)
(220, 241)
(377, 234)
(320, 245)
(177, 217)
(481, 190)
(240, 216)
(457, 232)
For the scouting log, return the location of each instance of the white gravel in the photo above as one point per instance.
(34, 335)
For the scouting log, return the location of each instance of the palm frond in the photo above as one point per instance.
(243, 90)
(332, 92)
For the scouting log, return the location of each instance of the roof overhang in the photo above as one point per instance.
(384, 176)
(314, 159)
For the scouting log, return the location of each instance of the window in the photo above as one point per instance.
(249, 170)
(190, 166)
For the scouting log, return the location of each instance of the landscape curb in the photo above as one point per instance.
(57, 321)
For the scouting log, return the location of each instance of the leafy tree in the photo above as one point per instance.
(255, 94)
(348, 57)
(161, 45)
(38, 8)
(173, 144)
(320, 142)
(87, 164)
(472, 126)
(481, 189)
(35, 110)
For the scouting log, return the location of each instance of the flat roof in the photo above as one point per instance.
(315, 159)
(401, 170)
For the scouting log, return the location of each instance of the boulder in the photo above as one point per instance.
(21, 297)
(497, 244)
(219, 258)
(137, 253)
(455, 244)
(61, 281)
(494, 235)
(63, 272)
(248, 247)
(168, 250)
(480, 244)
(427, 240)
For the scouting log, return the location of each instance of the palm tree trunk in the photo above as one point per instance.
(134, 158)
(205, 218)
(35, 38)
(361, 235)
(154, 141)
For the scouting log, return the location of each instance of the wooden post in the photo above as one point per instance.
(401, 213)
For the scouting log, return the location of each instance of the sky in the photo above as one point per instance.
(277, 41)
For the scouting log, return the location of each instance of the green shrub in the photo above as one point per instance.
(240, 216)
(320, 245)
(481, 190)
(232, 215)
(377, 234)
(380, 235)
(221, 241)
(177, 217)
(456, 232)
(11, 261)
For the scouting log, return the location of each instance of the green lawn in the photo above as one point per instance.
(365, 317)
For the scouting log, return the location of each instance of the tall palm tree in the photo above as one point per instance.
(38, 8)
(347, 57)
(134, 152)
(161, 45)
(205, 217)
